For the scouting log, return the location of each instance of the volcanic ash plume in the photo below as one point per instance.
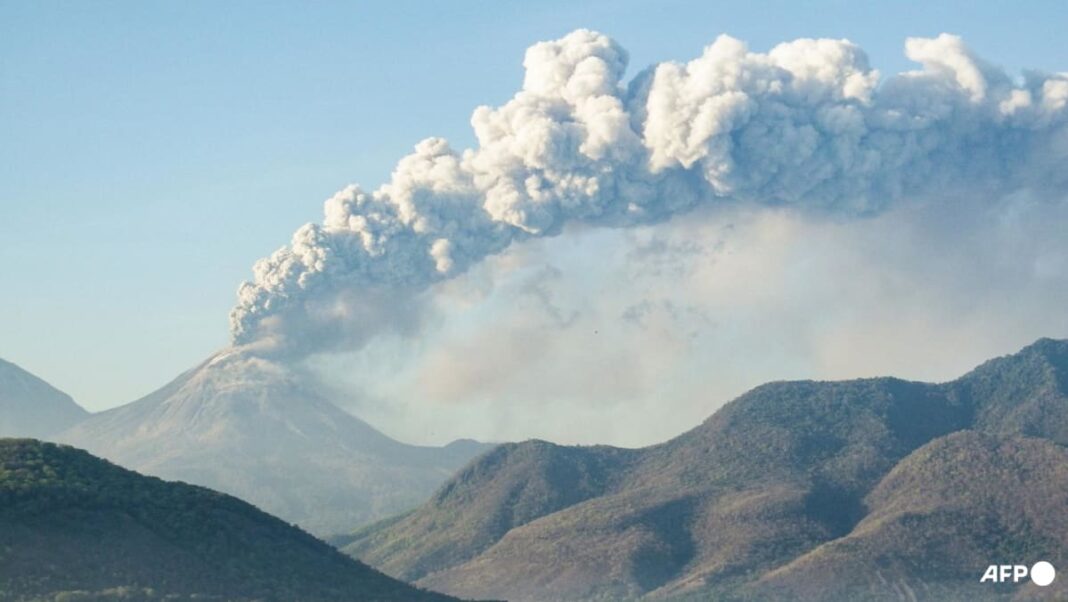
(808, 124)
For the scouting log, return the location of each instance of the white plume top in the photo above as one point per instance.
(808, 124)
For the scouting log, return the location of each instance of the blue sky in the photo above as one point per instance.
(151, 152)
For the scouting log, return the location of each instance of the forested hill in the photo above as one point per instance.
(75, 527)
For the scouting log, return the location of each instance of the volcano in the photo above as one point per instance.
(267, 433)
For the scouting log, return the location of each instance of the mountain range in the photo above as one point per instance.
(75, 527)
(872, 489)
(264, 432)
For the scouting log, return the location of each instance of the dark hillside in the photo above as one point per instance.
(70, 522)
(963, 501)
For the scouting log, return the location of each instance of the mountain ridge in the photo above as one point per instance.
(30, 407)
(769, 477)
(907, 508)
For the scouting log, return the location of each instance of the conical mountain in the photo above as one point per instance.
(262, 431)
(30, 407)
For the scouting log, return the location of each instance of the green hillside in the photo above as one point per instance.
(772, 477)
(75, 527)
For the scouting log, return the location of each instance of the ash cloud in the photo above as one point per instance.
(808, 125)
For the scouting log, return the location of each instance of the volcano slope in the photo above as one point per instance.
(264, 432)
(877, 489)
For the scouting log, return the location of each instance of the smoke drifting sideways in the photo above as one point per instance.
(808, 124)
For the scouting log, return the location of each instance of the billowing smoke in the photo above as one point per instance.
(809, 124)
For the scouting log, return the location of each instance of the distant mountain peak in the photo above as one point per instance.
(266, 431)
(231, 376)
(30, 407)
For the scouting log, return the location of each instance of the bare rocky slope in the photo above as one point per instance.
(905, 489)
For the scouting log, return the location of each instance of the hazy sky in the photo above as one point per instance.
(151, 152)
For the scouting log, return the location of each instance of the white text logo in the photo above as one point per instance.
(1042, 573)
